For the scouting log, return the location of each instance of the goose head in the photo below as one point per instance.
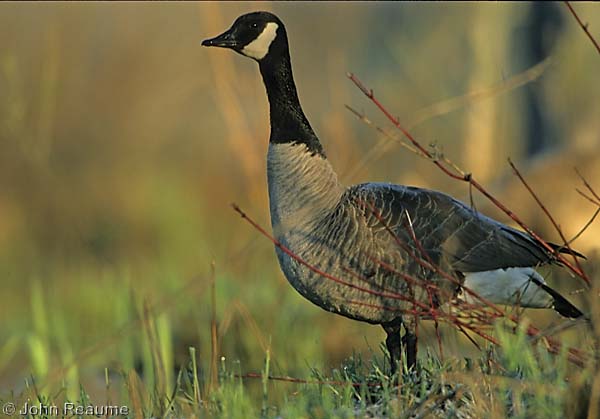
(257, 35)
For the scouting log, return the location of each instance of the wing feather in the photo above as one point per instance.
(466, 239)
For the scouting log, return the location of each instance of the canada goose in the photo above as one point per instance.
(367, 235)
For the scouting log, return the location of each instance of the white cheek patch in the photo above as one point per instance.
(258, 48)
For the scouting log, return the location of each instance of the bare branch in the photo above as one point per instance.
(309, 266)
(586, 226)
(592, 200)
(587, 185)
(375, 152)
(543, 207)
(467, 178)
(485, 318)
(583, 26)
(302, 381)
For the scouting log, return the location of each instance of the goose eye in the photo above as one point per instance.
(255, 25)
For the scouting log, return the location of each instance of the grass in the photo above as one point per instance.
(517, 380)
(152, 378)
(118, 162)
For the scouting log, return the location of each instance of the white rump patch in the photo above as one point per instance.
(258, 48)
(511, 286)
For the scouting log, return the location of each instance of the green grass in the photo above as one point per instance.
(138, 366)
(118, 162)
(516, 380)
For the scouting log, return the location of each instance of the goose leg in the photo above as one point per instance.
(409, 344)
(393, 344)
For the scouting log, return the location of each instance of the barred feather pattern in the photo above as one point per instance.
(371, 236)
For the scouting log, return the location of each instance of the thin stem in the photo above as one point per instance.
(583, 26)
(467, 178)
(543, 207)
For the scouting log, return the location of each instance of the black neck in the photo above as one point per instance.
(288, 122)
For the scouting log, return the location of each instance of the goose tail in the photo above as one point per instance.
(561, 305)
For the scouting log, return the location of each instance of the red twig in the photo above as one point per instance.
(308, 265)
(553, 346)
(386, 294)
(587, 185)
(427, 264)
(392, 295)
(453, 320)
(583, 194)
(550, 217)
(396, 296)
(583, 26)
(302, 381)
(466, 178)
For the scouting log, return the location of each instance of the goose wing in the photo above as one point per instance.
(448, 230)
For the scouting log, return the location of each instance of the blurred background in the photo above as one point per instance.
(123, 143)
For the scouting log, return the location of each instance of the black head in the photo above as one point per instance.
(254, 35)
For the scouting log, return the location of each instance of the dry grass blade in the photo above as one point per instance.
(135, 390)
(252, 325)
(152, 335)
(214, 342)
(455, 103)
(442, 108)
(379, 148)
(228, 100)
(429, 406)
(369, 93)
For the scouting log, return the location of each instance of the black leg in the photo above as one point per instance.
(393, 345)
(409, 344)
